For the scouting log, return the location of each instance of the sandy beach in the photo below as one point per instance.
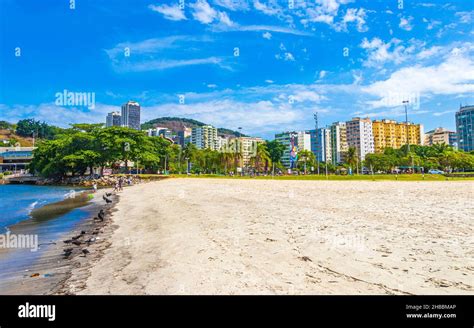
(225, 236)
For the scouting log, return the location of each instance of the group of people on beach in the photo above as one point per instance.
(120, 182)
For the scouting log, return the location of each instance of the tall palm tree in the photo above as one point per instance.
(262, 156)
(226, 158)
(304, 157)
(352, 157)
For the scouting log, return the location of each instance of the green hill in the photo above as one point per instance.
(176, 124)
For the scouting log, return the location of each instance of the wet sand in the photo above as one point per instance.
(224, 236)
(46, 274)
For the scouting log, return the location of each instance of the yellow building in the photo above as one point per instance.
(392, 134)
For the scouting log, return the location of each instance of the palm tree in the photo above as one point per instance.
(226, 157)
(351, 157)
(305, 156)
(262, 156)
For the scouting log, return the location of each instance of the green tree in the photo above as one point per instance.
(351, 157)
(276, 151)
(306, 157)
(261, 158)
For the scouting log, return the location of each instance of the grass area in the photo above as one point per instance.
(384, 177)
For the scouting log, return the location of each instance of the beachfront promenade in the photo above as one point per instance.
(255, 236)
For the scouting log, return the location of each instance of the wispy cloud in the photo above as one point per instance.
(406, 23)
(174, 51)
(173, 12)
(261, 28)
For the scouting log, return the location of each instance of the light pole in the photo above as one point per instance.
(406, 102)
(239, 149)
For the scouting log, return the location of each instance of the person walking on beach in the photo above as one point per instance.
(116, 188)
(94, 187)
(120, 183)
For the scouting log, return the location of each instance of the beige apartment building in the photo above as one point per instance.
(440, 136)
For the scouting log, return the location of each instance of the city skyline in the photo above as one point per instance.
(256, 64)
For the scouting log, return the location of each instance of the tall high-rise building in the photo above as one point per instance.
(113, 119)
(293, 141)
(321, 144)
(204, 137)
(338, 142)
(285, 139)
(465, 128)
(131, 115)
(304, 140)
(392, 134)
(222, 143)
(248, 148)
(184, 136)
(360, 136)
(440, 136)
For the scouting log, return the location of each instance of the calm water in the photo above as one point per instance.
(16, 204)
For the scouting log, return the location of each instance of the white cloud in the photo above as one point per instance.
(172, 53)
(269, 81)
(325, 11)
(56, 115)
(286, 56)
(233, 5)
(356, 16)
(431, 24)
(163, 64)
(427, 53)
(444, 112)
(427, 5)
(258, 28)
(453, 76)
(322, 74)
(255, 117)
(465, 17)
(267, 35)
(393, 51)
(310, 96)
(406, 23)
(169, 12)
(205, 14)
(272, 8)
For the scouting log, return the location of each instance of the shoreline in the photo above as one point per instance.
(51, 268)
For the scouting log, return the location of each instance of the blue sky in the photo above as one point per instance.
(265, 66)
